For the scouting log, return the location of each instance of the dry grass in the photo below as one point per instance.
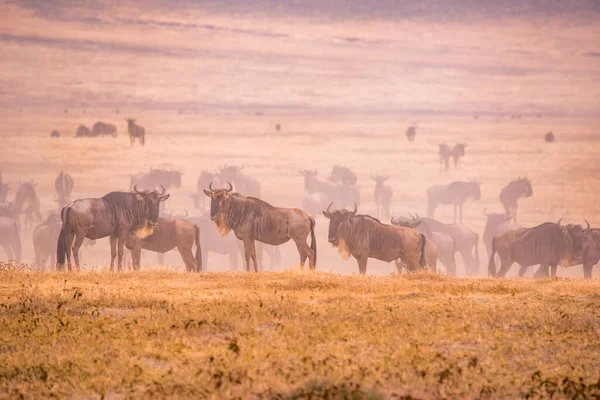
(296, 335)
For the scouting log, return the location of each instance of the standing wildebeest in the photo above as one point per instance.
(343, 175)
(549, 137)
(64, 187)
(496, 224)
(254, 219)
(45, 237)
(466, 243)
(590, 254)
(444, 243)
(135, 131)
(28, 203)
(10, 239)
(458, 151)
(116, 215)
(411, 133)
(444, 154)
(156, 178)
(548, 245)
(455, 193)
(205, 178)
(366, 237)
(509, 196)
(55, 134)
(83, 131)
(101, 129)
(383, 196)
(168, 234)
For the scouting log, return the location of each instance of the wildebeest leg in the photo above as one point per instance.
(113, 251)
(38, 261)
(70, 239)
(121, 249)
(78, 242)
(553, 270)
(160, 258)
(248, 252)
(188, 258)
(542, 271)
(8, 251)
(469, 261)
(449, 262)
(305, 251)
(362, 264)
(302, 253)
(505, 264)
(261, 249)
(522, 270)
(587, 271)
(399, 265)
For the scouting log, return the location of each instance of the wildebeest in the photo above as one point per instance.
(116, 215)
(101, 129)
(205, 178)
(83, 131)
(455, 193)
(156, 178)
(548, 245)
(312, 184)
(252, 219)
(135, 131)
(510, 194)
(168, 234)
(590, 254)
(549, 137)
(496, 224)
(444, 243)
(339, 193)
(444, 154)
(243, 183)
(45, 237)
(466, 242)
(411, 133)
(365, 237)
(458, 151)
(343, 175)
(28, 203)
(383, 196)
(55, 134)
(3, 189)
(64, 186)
(10, 239)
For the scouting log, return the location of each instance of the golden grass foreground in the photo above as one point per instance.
(296, 335)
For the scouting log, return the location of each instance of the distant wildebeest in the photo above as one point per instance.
(83, 131)
(116, 215)
(243, 183)
(496, 224)
(339, 193)
(549, 137)
(466, 243)
(548, 245)
(383, 196)
(509, 196)
(444, 243)
(55, 134)
(365, 237)
(27, 202)
(455, 193)
(10, 238)
(135, 131)
(312, 184)
(590, 254)
(3, 190)
(45, 237)
(411, 133)
(168, 234)
(156, 178)
(277, 127)
(102, 129)
(64, 186)
(252, 219)
(343, 175)
(205, 178)
(444, 154)
(458, 151)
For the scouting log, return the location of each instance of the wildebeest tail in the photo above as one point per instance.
(492, 263)
(61, 248)
(313, 240)
(198, 249)
(422, 261)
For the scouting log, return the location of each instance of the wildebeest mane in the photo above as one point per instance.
(126, 206)
(545, 239)
(365, 227)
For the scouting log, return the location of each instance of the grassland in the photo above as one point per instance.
(296, 335)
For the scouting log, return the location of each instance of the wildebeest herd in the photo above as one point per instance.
(135, 220)
(105, 129)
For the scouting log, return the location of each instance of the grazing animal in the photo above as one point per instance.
(10, 238)
(64, 186)
(343, 175)
(45, 237)
(168, 234)
(455, 193)
(102, 129)
(135, 132)
(243, 183)
(383, 196)
(444, 243)
(510, 195)
(549, 137)
(365, 237)
(156, 178)
(28, 203)
(116, 215)
(496, 224)
(411, 132)
(548, 245)
(252, 219)
(83, 131)
(466, 243)
(444, 154)
(55, 134)
(458, 151)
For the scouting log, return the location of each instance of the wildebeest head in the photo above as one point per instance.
(573, 235)
(337, 218)
(412, 223)
(217, 197)
(525, 186)
(343, 175)
(130, 121)
(230, 173)
(152, 201)
(460, 149)
(494, 219)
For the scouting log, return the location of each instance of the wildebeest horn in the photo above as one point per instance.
(484, 213)
(230, 187)
(135, 189)
(210, 187)
(355, 208)
(186, 212)
(588, 224)
(163, 190)
(558, 223)
(330, 204)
